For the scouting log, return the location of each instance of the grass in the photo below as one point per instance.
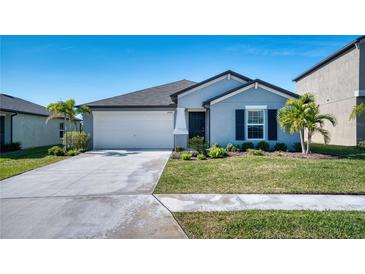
(256, 224)
(264, 174)
(21, 161)
(350, 152)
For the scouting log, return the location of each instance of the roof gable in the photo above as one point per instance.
(211, 80)
(158, 96)
(252, 84)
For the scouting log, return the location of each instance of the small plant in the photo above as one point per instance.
(217, 152)
(297, 147)
(179, 149)
(76, 140)
(232, 148)
(255, 152)
(264, 146)
(194, 153)
(201, 156)
(216, 145)
(197, 143)
(280, 147)
(361, 144)
(175, 155)
(56, 151)
(10, 147)
(247, 145)
(72, 152)
(185, 156)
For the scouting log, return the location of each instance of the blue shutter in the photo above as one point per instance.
(273, 125)
(240, 124)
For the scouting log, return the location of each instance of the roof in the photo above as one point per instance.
(174, 95)
(259, 81)
(158, 96)
(330, 58)
(14, 104)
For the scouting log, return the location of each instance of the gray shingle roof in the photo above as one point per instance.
(158, 96)
(15, 104)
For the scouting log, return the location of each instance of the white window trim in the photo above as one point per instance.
(61, 130)
(263, 124)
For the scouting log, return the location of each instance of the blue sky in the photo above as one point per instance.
(45, 69)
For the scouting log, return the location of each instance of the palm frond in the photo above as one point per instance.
(357, 111)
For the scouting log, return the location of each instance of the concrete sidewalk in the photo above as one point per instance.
(230, 202)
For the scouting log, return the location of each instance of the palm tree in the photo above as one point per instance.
(292, 116)
(314, 123)
(68, 111)
(357, 111)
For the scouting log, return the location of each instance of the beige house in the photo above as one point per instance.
(338, 83)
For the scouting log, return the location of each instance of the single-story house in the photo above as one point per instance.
(25, 122)
(338, 84)
(226, 108)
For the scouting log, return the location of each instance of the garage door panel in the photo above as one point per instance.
(133, 129)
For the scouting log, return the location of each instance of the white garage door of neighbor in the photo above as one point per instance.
(133, 129)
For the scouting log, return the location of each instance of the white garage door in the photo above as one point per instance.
(133, 129)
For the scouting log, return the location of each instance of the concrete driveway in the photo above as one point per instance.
(101, 194)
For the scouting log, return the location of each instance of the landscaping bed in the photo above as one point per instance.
(273, 224)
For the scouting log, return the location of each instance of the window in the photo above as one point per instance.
(62, 129)
(255, 124)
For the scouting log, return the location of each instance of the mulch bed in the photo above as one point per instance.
(297, 155)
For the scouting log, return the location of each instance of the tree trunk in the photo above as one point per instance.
(301, 135)
(65, 133)
(309, 142)
(71, 144)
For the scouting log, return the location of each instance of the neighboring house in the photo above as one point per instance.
(226, 108)
(338, 83)
(25, 122)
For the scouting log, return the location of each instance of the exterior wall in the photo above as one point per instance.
(195, 100)
(7, 129)
(334, 87)
(33, 131)
(223, 125)
(362, 65)
(88, 124)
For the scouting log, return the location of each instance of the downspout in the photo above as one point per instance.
(11, 127)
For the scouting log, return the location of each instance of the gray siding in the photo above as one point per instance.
(196, 98)
(334, 87)
(88, 125)
(222, 122)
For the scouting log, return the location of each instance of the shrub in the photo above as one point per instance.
(72, 152)
(263, 146)
(179, 149)
(76, 140)
(193, 153)
(201, 156)
(10, 147)
(216, 145)
(175, 155)
(56, 150)
(197, 143)
(280, 147)
(361, 144)
(297, 147)
(185, 156)
(232, 148)
(255, 152)
(247, 145)
(217, 152)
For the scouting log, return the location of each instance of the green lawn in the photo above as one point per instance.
(256, 224)
(343, 151)
(24, 160)
(264, 174)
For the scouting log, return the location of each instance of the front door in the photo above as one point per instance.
(196, 124)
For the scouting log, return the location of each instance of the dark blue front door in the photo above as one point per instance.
(196, 124)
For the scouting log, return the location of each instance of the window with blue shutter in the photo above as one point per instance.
(272, 125)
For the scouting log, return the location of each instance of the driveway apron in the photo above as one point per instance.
(100, 194)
